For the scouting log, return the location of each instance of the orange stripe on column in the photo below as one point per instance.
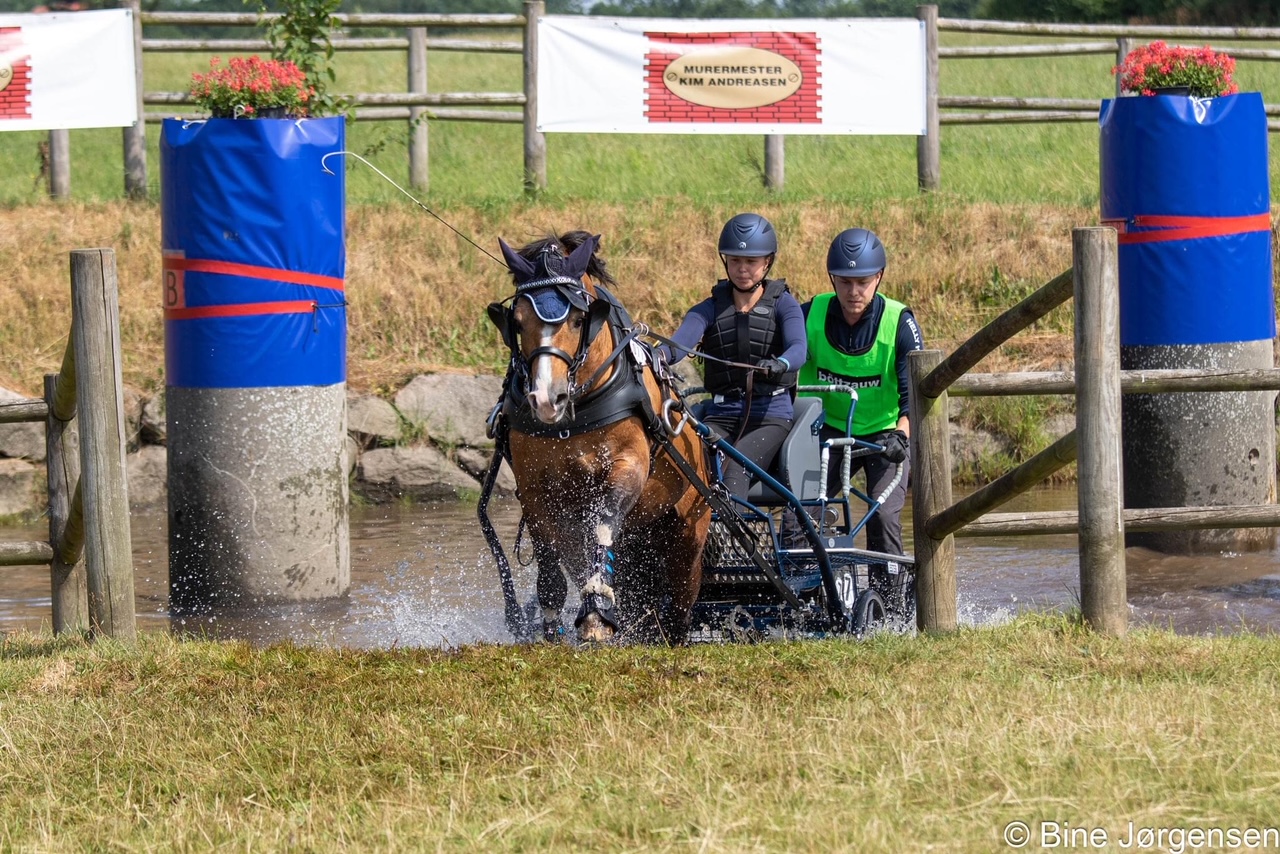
(246, 309)
(1191, 227)
(252, 271)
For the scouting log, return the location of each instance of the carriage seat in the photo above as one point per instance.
(799, 457)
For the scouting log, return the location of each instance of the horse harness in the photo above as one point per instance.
(620, 396)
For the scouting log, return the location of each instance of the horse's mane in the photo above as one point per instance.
(597, 269)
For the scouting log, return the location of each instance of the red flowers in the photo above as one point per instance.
(245, 88)
(1154, 66)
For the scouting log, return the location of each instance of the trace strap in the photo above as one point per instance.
(1185, 227)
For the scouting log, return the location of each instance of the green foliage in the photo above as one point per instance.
(1001, 292)
(1020, 419)
(301, 35)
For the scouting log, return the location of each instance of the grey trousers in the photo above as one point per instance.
(884, 529)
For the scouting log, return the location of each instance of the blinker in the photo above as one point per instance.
(552, 304)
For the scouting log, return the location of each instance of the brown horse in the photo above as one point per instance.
(603, 479)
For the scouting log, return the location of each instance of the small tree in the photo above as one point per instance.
(300, 34)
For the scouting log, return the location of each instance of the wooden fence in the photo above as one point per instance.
(90, 550)
(1097, 382)
(417, 106)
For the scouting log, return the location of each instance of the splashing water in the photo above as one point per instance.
(423, 577)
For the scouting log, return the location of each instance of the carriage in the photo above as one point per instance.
(620, 489)
(812, 580)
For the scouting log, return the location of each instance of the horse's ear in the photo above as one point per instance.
(576, 263)
(520, 266)
(500, 316)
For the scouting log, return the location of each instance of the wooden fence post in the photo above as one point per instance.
(929, 146)
(1100, 482)
(930, 494)
(95, 333)
(535, 143)
(60, 164)
(70, 590)
(135, 137)
(1123, 46)
(419, 175)
(775, 160)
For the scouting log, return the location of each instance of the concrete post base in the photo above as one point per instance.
(257, 496)
(1200, 449)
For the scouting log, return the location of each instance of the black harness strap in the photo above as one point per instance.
(718, 502)
(515, 620)
(731, 520)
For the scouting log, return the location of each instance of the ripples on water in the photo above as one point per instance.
(421, 576)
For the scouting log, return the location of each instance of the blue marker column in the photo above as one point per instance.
(1185, 181)
(255, 362)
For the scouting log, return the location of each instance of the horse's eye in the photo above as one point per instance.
(578, 320)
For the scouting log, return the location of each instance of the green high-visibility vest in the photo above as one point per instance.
(873, 373)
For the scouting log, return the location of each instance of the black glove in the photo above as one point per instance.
(772, 368)
(895, 446)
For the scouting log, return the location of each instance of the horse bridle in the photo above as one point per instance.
(596, 320)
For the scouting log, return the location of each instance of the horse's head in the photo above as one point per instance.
(553, 321)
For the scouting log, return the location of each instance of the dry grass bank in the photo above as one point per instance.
(417, 290)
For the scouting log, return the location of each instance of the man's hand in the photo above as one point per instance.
(772, 368)
(896, 445)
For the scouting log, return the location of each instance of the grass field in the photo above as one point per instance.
(481, 163)
(895, 744)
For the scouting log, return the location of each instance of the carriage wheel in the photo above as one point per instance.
(868, 612)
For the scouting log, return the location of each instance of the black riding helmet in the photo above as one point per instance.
(855, 253)
(749, 235)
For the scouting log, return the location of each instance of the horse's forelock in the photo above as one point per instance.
(567, 246)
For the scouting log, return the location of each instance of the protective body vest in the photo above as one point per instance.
(744, 337)
(873, 373)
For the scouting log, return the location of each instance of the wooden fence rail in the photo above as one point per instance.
(89, 551)
(1098, 383)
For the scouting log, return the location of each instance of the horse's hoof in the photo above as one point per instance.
(597, 618)
(592, 629)
(553, 631)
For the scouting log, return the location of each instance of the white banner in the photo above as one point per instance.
(757, 76)
(67, 70)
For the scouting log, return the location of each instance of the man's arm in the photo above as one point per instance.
(908, 338)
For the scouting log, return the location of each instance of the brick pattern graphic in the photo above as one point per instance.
(15, 98)
(804, 106)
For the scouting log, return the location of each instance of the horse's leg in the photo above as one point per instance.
(552, 590)
(597, 618)
(672, 575)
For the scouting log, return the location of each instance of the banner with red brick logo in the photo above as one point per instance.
(67, 70)
(786, 76)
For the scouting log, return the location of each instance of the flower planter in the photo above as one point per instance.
(1205, 161)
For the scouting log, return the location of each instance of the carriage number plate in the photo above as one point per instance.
(847, 589)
